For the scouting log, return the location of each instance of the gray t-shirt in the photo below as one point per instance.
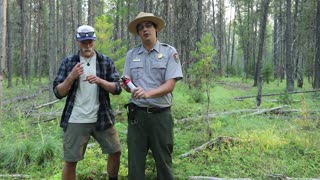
(151, 69)
(86, 105)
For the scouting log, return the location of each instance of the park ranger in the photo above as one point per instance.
(154, 68)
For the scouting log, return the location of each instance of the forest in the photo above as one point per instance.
(251, 77)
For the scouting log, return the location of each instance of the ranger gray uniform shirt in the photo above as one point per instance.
(151, 69)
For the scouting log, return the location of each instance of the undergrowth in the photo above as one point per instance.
(282, 143)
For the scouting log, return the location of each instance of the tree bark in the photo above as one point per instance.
(264, 6)
(23, 39)
(289, 61)
(199, 21)
(3, 30)
(52, 49)
(79, 10)
(8, 53)
(316, 83)
(221, 37)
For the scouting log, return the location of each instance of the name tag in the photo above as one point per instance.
(136, 60)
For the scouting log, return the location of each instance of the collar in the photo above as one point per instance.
(156, 48)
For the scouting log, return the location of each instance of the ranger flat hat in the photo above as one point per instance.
(143, 17)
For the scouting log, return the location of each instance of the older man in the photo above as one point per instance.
(87, 78)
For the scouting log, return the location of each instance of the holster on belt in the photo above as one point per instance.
(131, 111)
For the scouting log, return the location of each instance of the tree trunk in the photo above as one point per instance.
(79, 10)
(64, 28)
(23, 39)
(221, 37)
(275, 46)
(228, 46)
(116, 21)
(233, 43)
(316, 83)
(199, 21)
(52, 49)
(214, 22)
(289, 62)
(3, 30)
(264, 7)
(73, 24)
(29, 45)
(243, 40)
(91, 12)
(299, 64)
(9, 45)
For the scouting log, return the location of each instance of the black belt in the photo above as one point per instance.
(152, 109)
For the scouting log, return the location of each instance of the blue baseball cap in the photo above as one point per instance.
(85, 32)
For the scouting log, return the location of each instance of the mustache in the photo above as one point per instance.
(87, 49)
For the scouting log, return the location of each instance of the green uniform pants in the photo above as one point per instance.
(154, 131)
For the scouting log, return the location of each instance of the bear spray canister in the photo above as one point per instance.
(128, 83)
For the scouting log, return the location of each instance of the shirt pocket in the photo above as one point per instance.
(136, 69)
(158, 71)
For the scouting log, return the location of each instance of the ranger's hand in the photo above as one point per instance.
(139, 93)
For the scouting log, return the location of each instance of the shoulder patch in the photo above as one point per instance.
(176, 57)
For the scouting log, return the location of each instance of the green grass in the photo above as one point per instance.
(269, 144)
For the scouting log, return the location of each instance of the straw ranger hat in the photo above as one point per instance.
(142, 17)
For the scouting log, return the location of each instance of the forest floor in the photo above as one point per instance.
(228, 139)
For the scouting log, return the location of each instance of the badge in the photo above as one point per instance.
(160, 56)
(176, 57)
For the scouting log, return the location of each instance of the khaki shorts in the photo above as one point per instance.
(77, 135)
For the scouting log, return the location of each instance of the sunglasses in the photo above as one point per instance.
(89, 34)
(147, 25)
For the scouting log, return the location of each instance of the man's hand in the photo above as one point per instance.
(139, 93)
(93, 79)
(76, 71)
(125, 87)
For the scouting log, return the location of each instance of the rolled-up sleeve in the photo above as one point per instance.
(61, 76)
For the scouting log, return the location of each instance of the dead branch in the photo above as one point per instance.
(200, 148)
(276, 94)
(19, 99)
(28, 112)
(18, 176)
(47, 120)
(46, 104)
(218, 141)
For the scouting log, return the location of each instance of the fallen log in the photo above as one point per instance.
(276, 94)
(265, 110)
(212, 115)
(276, 110)
(24, 98)
(213, 178)
(218, 141)
(18, 176)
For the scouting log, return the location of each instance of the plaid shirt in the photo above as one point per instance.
(105, 70)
